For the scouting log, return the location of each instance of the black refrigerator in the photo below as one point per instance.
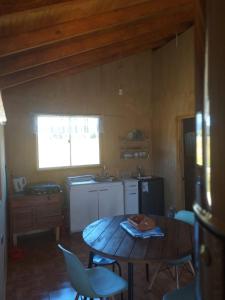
(151, 196)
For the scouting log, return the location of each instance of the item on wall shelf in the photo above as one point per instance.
(134, 146)
(43, 188)
(135, 135)
(134, 154)
(19, 184)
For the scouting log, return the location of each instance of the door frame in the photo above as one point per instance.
(180, 159)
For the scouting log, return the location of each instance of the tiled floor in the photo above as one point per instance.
(41, 274)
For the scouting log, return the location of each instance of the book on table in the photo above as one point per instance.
(154, 232)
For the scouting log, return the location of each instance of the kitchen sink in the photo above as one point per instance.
(105, 179)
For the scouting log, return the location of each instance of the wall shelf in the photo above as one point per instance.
(134, 148)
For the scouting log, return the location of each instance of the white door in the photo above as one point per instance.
(83, 207)
(111, 201)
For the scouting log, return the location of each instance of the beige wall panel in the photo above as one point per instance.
(173, 96)
(92, 92)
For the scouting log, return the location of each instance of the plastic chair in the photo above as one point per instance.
(99, 260)
(185, 293)
(187, 217)
(98, 282)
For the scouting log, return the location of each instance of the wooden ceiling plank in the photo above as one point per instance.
(28, 40)
(13, 80)
(12, 6)
(88, 42)
(33, 19)
(87, 59)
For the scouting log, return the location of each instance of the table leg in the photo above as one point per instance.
(57, 234)
(91, 254)
(14, 240)
(130, 281)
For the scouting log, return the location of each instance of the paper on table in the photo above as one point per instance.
(155, 232)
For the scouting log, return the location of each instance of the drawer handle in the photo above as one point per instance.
(103, 190)
(133, 185)
(92, 191)
(133, 194)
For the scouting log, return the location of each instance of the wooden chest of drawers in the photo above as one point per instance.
(29, 213)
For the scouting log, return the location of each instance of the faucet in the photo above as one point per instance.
(104, 172)
(139, 171)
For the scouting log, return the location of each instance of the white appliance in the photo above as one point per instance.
(90, 200)
(19, 184)
(131, 202)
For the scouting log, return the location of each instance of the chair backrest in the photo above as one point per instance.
(185, 216)
(77, 274)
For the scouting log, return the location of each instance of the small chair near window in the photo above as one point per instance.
(97, 282)
(185, 293)
(187, 217)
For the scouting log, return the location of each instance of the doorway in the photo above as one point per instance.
(188, 158)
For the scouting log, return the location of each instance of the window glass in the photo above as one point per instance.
(65, 141)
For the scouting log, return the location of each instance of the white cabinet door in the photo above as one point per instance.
(111, 200)
(83, 207)
(131, 202)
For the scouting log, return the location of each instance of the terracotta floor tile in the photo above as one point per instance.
(41, 275)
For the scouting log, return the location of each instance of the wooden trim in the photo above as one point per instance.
(180, 157)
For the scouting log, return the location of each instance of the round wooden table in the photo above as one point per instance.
(107, 238)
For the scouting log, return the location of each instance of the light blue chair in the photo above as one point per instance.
(98, 282)
(185, 293)
(99, 260)
(187, 217)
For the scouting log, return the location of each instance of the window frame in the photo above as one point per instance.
(71, 166)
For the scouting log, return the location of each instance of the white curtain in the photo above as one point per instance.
(2, 111)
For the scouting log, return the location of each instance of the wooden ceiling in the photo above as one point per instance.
(42, 38)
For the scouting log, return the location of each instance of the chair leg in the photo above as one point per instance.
(77, 296)
(147, 272)
(120, 273)
(191, 267)
(119, 268)
(154, 276)
(90, 260)
(177, 276)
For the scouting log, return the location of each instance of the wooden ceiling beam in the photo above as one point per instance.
(89, 42)
(12, 6)
(88, 59)
(47, 15)
(59, 32)
(15, 80)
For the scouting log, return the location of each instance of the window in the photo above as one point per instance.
(65, 141)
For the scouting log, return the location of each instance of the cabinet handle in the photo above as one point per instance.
(92, 191)
(103, 190)
(133, 185)
(133, 194)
